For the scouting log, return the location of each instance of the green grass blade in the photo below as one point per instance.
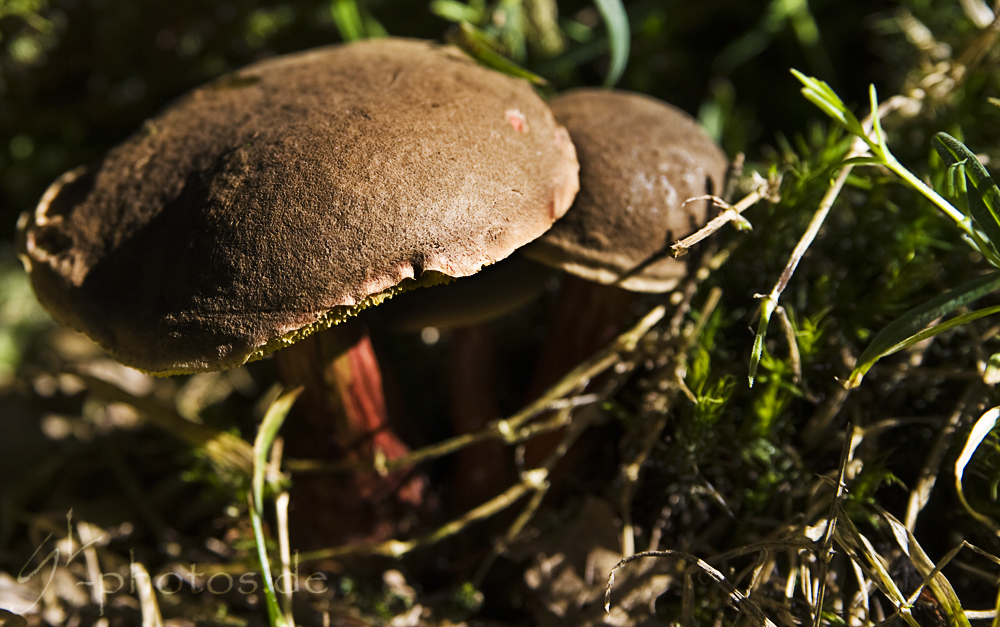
(938, 583)
(979, 432)
(373, 27)
(910, 327)
(767, 308)
(619, 35)
(269, 426)
(985, 247)
(877, 122)
(277, 619)
(984, 202)
(987, 237)
(478, 45)
(347, 17)
(820, 88)
(957, 321)
(861, 549)
(455, 11)
(823, 96)
(863, 161)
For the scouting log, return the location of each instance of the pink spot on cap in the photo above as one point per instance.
(516, 119)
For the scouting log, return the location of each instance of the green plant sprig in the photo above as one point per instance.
(268, 431)
(504, 48)
(982, 229)
(769, 302)
(821, 95)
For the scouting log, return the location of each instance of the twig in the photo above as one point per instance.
(396, 548)
(831, 526)
(533, 481)
(859, 147)
(793, 344)
(764, 189)
(739, 600)
(608, 389)
(574, 432)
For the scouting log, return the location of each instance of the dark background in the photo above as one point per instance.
(77, 76)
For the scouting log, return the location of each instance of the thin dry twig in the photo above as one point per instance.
(851, 438)
(793, 344)
(738, 598)
(764, 189)
(532, 481)
(576, 429)
(858, 149)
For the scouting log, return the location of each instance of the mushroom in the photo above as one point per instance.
(284, 198)
(640, 161)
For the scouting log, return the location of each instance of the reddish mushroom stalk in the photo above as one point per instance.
(481, 471)
(584, 317)
(467, 307)
(640, 161)
(342, 415)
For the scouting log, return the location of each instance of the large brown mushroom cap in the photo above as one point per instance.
(640, 159)
(280, 199)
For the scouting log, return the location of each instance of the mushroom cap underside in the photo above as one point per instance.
(640, 160)
(281, 198)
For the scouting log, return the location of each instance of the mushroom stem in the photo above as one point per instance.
(483, 470)
(585, 316)
(354, 380)
(344, 390)
(467, 306)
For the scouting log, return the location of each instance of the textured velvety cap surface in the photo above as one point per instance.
(281, 197)
(640, 159)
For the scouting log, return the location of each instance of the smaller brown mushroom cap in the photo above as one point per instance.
(280, 199)
(640, 159)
